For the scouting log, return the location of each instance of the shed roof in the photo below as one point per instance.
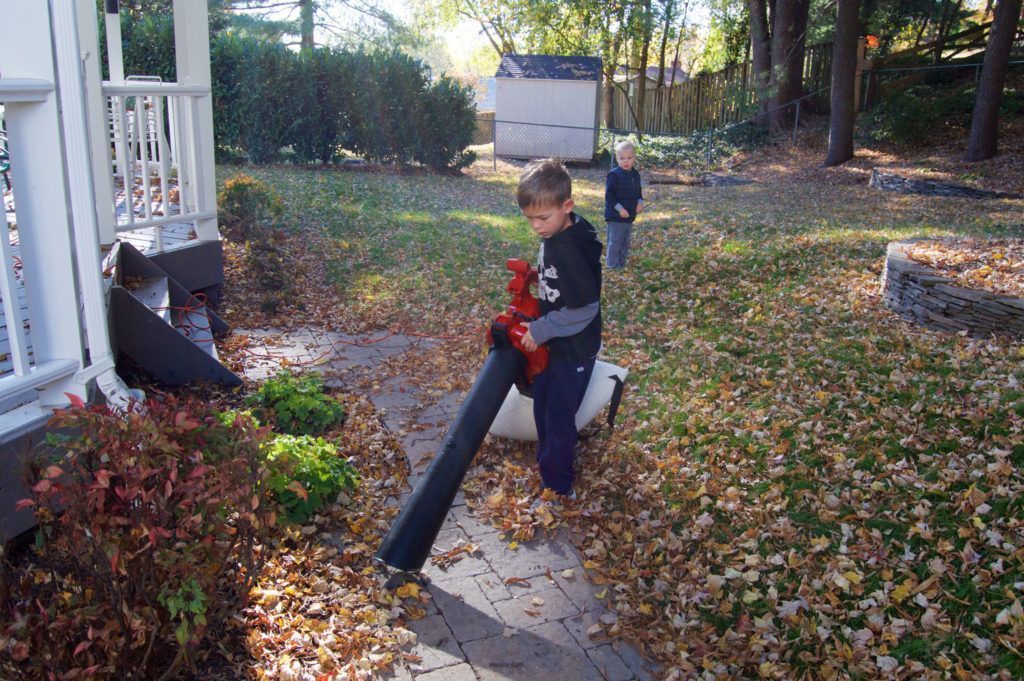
(549, 66)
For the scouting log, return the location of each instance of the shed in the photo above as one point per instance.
(547, 105)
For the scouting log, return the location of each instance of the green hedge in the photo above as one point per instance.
(382, 106)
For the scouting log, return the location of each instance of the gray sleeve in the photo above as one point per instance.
(565, 322)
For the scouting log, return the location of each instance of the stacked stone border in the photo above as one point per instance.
(917, 293)
(890, 182)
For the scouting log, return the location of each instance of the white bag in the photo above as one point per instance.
(515, 418)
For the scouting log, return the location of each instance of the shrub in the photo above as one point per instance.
(321, 123)
(247, 204)
(307, 473)
(903, 117)
(253, 82)
(386, 105)
(148, 534)
(297, 404)
(446, 126)
(678, 151)
(913, 115)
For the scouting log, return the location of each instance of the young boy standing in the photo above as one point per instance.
(623, 201)
(569, 269)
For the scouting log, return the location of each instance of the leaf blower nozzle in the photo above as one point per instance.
(407, 544)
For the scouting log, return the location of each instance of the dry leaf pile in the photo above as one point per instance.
(800, 483)
(995, 265)
(320, 609)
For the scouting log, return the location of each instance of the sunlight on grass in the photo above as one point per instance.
(512, 227)
(374, 288)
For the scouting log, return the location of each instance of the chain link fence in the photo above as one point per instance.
(697, 152)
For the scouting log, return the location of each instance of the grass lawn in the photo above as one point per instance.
(800, 483)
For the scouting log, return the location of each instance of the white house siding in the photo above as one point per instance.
(523, 103)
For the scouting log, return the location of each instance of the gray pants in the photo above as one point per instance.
(618, 244)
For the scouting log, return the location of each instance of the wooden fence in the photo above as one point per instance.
(713, 100)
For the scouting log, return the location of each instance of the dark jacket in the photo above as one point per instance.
(622, 188)
(569, 268)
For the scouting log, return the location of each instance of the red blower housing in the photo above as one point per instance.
(509, 328)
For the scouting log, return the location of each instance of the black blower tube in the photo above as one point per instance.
(407, 544)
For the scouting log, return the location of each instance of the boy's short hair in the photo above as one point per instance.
(544, 183)
(623, 145)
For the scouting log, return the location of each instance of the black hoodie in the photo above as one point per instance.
(569, 266)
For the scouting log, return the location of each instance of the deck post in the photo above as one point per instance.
(192, 58)
(99, 132)
(115, 47)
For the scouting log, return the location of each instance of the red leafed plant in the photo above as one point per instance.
(149, 534)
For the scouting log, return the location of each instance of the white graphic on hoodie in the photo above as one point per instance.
(547, 293)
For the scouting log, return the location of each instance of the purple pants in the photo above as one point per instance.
(557, 394)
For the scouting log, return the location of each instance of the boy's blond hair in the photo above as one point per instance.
(544, 183)
(623, 145)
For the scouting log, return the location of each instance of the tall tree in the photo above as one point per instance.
(788, 34)
(761, 53)
(646, 30)
(347, 21)
(667, 15)
(985, 120)
(844, 71)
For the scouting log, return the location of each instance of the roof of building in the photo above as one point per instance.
(549, 66)
(673, 74)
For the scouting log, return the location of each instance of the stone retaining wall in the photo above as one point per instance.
(915, 292)
(891, 182)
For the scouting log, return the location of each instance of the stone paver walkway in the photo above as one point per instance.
(495, 614)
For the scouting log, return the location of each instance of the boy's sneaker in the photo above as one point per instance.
(571, 496)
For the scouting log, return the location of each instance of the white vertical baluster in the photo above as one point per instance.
(151, 125)
(12, 310)
(142, 128)
(183, 114)
(164, 156)
(125, 158)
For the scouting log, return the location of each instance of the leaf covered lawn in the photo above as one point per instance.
(801, 483)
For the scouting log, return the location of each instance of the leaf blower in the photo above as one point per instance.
(509, 369)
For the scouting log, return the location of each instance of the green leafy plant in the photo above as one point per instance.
(297, 404)
(148, 534)
(186, 605)
(246, 206)
(307, 473)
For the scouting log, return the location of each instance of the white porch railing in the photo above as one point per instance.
(152, 126)
(54, 340)
(37, 283)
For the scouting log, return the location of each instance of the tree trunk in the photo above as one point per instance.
(844, 70)
(614, 50)
(948, 17)
(641, 83)
(664, 45)
(783, 47)
(306, 24)
(761, 56)
(609, 97)
(985, 120)
(795, 81)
